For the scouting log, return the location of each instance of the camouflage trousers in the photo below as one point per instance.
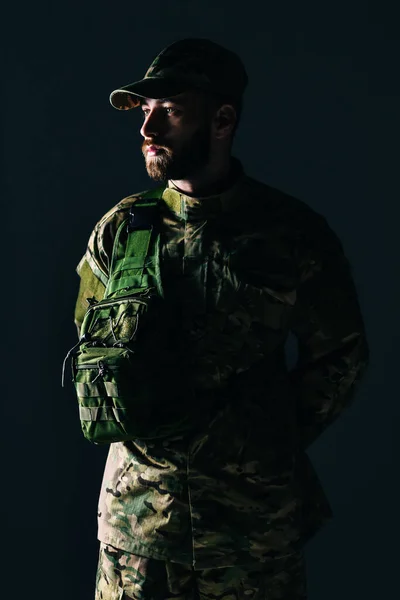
(124, 576)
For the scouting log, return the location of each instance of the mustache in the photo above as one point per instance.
(158, 146)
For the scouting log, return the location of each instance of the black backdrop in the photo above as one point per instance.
(319, 122)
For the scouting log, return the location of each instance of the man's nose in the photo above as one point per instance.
(152, 125)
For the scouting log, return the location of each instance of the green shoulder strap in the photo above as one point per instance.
(135, 263)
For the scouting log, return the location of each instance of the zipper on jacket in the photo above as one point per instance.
(190, 507)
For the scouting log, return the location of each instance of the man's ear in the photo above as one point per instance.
(224, 121)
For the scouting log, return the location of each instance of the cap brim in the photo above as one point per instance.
(129, 96)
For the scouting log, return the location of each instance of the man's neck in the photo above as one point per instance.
(206, 186)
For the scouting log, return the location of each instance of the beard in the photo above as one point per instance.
(183, 163)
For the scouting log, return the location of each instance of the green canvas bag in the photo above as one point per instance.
(117, 365)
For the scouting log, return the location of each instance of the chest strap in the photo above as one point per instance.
(135, 263)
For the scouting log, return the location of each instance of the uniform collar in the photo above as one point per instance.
(205, 206)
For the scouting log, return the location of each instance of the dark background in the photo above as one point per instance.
(320, 122)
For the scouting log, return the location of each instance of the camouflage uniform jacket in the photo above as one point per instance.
(241, 269)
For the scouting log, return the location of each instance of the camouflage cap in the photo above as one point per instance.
(186, 64)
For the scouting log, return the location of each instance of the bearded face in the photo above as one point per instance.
(177, 134)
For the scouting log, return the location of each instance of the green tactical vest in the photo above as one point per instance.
(116, 363)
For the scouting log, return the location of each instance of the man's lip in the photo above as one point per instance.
(153, 149)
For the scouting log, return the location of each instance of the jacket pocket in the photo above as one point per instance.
(266, 306)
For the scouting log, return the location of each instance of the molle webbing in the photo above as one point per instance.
(93, 390)
(101, 413)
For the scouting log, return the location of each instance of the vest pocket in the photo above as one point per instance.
(113, 398)
(101, 378)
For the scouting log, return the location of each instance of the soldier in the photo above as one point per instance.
(223, 507)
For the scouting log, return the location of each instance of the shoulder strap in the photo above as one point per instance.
(135, 263)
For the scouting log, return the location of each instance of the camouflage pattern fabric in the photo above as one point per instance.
(241, 269)
(121, 575)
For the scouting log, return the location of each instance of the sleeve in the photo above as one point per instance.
(90, 286)
(93, 268)
(332, 347)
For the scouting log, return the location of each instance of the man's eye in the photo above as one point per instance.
(168, 109)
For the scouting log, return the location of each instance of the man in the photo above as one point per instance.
(224, 508)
